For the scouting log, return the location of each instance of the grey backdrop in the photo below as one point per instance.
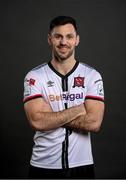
(23, 44)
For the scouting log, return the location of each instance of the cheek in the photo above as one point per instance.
(55, 43)
(74, 43)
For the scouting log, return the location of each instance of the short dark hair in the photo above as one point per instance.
(62, 20)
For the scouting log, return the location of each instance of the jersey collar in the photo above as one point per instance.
(61, 75)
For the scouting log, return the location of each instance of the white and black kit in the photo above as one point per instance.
(62, 148)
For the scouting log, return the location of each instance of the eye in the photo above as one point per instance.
(57, 36)
(70, 36)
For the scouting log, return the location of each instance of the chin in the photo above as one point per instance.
(61, 57)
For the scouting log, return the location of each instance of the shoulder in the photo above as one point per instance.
(84, 65)
(90, 73)
(36, 71)
(39, 68)
(89, 70)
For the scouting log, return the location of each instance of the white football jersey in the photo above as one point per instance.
(62, 148)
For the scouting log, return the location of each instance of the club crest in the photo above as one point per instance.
(78, 82)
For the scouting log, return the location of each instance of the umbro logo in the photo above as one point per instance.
(50, 83)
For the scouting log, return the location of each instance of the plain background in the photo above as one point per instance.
(23, 45)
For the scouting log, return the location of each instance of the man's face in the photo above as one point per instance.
(63, 40)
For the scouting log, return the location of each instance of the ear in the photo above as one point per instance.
(49, 39)
(77, 40)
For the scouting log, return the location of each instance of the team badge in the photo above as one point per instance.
(31, 82)
(27, 86)
(79, 82)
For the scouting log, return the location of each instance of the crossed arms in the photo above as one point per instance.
(84, 117)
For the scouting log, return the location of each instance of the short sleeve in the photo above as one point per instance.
(95, 89)
(32, 87)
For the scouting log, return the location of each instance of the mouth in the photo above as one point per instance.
(63, 49)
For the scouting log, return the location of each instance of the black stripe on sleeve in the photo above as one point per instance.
(31, 97)
(95, 98)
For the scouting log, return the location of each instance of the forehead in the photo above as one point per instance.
(64, 29)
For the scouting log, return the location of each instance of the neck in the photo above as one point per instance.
(63, 67)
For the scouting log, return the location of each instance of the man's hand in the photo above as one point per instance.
(91, 118)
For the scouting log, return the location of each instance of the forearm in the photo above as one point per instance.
(91, 119)
(77, 124)
(51, 120)
(86, 122)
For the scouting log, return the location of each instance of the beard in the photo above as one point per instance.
(61, 56)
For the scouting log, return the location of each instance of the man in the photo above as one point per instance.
(64, 102)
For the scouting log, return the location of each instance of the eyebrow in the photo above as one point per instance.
(70, 34)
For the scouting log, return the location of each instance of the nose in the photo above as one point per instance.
(63, 41)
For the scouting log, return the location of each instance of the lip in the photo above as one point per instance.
(63, 49)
